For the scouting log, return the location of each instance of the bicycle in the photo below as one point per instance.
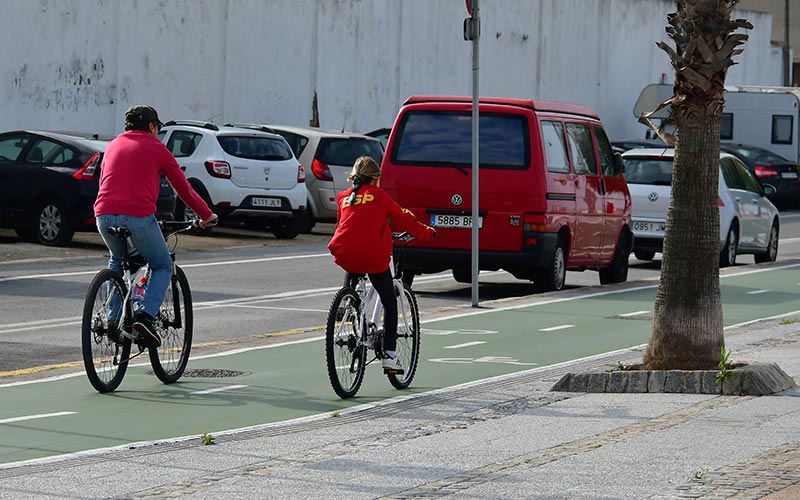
(349, 335)
(106, 328)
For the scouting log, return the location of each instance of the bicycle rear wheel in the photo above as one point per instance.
(105, 350)
(408, 337)
(174, 324)
(345, 355)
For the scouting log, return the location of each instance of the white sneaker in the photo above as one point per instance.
(392, 365)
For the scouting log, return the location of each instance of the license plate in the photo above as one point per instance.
(267, 202)
(454, 221)
(649, 227)
(789, 175)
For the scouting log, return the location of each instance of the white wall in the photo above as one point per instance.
(78, 64)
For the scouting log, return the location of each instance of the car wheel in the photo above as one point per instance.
(617, 272)
(462, 275)
(306, 221)
(50, 223)
(552, 277)
(644, 254)
(772, 247)
(286, 230)
(728, 255)
(184, 212)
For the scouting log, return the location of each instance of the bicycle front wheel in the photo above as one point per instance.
(408, 337)
(174, 324)
(105, 350)
(344, 352)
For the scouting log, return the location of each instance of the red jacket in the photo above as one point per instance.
(362, 242)
(130, 177)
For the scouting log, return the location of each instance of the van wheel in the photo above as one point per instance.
(644, 254)
(727, 257)
(552, 277)
(462, 275)
(772, 247)
(617, 272)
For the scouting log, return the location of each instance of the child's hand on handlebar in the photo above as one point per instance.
(211, 221)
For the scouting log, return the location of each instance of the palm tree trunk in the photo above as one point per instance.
(687, 328)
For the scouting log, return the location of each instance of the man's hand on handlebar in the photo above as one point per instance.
(211, 221)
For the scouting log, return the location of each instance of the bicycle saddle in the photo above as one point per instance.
(120, 232)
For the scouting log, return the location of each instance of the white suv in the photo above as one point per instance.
(749, 222)
(329, 156)
(244, 175)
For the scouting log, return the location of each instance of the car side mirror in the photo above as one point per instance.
(768, 189)
(619, 165)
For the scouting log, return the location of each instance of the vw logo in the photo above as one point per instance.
(456, 199)
(653, 196)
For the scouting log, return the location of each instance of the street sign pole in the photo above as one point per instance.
(472, 33)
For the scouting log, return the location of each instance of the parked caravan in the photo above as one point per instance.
(552, 194)
(761, 116)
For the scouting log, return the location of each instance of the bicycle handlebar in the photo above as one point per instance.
(404, 236)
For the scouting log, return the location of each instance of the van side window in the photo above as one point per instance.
(555, 147)
(606, 153)
(726, 127)
(581, 149)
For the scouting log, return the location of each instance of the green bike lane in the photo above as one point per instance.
(289, 381)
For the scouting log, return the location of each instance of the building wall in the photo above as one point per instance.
(78, 64)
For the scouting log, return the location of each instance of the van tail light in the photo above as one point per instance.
(90, 169)
(301, 174)
(533, 223)
(221, 169)
(763, 172)
(321, 171)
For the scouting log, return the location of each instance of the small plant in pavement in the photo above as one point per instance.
(206, 438)
(790, 321)
(722, 366)
(701, 473)
(335, 414)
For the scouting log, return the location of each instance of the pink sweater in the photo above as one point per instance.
(130, 177)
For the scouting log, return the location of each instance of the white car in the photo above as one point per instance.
(243, 174)
(328, 156)
(749, 222)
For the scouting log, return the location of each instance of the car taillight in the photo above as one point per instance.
(321, 170)
(301, 174)
(533, 223)
(720, 202)
(89, 170)
(763, 172)
(219, 169)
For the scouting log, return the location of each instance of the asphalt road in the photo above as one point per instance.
(249, 289)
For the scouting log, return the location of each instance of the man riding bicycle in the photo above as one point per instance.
(362, 243)
(129, 184)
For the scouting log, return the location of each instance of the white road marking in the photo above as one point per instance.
(756, 292)
(251, 306)
(34, 417)
(554, 328)
(219, 389)
(635, 313)
(466, 344)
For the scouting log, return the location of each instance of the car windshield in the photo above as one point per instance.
(760, 155)
(656, 171)
(255, 148)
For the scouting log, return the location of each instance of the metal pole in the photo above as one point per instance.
(475, 159)
(787, 63)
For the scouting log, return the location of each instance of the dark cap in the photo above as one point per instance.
(141, 114)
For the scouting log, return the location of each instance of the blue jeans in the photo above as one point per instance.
(149, 241)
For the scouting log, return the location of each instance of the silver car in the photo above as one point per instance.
(749, 222)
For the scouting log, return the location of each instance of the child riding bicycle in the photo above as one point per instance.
(362, 244)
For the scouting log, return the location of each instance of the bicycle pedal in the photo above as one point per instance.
(393, 372)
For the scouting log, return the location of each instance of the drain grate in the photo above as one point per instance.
(213, 373)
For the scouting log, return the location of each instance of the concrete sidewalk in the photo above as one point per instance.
(508, 437)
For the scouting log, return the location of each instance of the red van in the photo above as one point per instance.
(552, 192)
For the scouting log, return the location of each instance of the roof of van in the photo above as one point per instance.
(558, 107)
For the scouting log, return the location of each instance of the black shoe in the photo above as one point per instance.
(145, 330)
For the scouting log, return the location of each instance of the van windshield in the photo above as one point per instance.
(444, 138)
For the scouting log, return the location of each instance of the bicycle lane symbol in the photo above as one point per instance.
(483, 359)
